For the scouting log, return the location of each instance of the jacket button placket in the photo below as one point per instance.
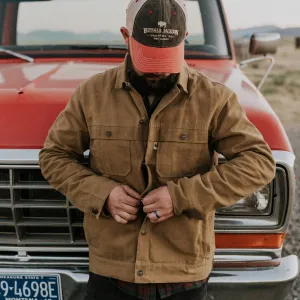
(142, 254)
(143, 245)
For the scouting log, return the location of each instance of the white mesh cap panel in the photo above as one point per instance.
(135, 5)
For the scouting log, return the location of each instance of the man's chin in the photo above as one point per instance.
(153, 79)
(155, 85)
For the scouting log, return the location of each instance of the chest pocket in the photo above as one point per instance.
(110, 149)
(182, 153)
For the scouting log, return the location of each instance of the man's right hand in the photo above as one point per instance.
(123, 204)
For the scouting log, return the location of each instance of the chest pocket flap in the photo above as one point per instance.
(110, 148)
(182, 152)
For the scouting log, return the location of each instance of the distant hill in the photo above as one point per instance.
(47, 36)
(291, 32)
(247, 32)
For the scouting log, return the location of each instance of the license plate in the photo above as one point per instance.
(30, 287)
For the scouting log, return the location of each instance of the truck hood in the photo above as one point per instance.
(32, 95)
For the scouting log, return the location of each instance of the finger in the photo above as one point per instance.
(131, 192)
(152, 192)
(161, 219)
(130, 209)
(149, 199)
(152, 215)
(131, 201)
(120, 220)
(150, 208)
(126, 216)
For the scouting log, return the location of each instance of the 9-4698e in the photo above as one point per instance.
(29, 289)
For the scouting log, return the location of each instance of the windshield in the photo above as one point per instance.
(63, 24)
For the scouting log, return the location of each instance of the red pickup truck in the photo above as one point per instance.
(47, 49)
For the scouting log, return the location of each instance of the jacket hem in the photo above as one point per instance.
(151, 272)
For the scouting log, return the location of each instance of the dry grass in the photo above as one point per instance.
(282, 88)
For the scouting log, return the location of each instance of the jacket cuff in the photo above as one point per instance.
(105, 213)
(98, 205)
(179, 205)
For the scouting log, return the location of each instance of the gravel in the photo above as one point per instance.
(292, 242)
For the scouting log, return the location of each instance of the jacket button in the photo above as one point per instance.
(183, 136)
(140, 273)
(142, 121)
(126, 86)
(143, 232)
(95, 210)
(108, 133)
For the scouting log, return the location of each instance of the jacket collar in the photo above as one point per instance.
(122, 80)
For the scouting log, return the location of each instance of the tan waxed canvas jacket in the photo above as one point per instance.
(178, 144)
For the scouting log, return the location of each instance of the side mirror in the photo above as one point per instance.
(264, 43)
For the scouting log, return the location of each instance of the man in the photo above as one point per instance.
(153, 126)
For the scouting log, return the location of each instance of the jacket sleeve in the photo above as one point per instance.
(61, 160)
(249, 165)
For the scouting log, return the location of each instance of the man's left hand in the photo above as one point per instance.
(158, 200)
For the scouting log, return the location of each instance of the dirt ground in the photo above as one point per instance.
(292, 242)
(282, 90)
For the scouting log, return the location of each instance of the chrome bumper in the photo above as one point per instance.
(259, 283)
(256, 283)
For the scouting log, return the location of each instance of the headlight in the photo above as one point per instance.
(259, 203)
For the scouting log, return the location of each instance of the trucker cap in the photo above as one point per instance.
(157, 30)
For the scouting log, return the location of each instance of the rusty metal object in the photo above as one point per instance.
(297, 42)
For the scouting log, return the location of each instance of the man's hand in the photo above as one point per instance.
(158, 200)
(123, 204)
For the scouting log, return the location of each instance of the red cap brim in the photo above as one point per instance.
(156, 60)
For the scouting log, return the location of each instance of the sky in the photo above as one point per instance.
(96, 15)
(246, 13)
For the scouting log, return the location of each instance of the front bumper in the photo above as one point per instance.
(259, 283)
(225, 283)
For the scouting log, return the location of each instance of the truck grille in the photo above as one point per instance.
(33, 213)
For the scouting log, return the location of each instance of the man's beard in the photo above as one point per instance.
(145, 86)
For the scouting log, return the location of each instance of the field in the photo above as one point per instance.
(282, 90)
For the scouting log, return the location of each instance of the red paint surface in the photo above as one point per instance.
(32, 95)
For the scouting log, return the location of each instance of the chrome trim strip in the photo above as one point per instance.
(22, 156)
(237, 258)
(86, 249)
(234, 253)
(44, 249)
(19, 156)
(84, 261)
(29, 254)
(288, 270)
(284, 158)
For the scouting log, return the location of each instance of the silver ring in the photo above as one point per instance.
(157, 215)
